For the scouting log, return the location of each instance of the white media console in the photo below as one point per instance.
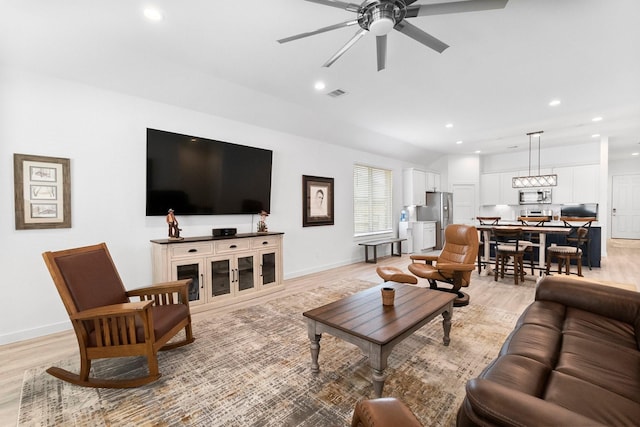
(225, 269)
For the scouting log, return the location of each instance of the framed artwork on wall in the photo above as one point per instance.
(42, 189)
(317, 201)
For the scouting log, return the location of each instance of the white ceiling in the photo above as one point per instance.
(494, 83)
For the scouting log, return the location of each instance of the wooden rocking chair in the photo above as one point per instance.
(107, 324)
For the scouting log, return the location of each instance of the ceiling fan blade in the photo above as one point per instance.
(339, 4)
(321, 30)
(381, 48)
(454, 7)
(420, 36)
(346, 47)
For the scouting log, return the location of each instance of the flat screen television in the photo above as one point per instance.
(198, 176)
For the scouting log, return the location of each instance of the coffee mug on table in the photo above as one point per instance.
(388, 295)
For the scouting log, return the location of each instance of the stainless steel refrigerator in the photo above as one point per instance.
(439, 208)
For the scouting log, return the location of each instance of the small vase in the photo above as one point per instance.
(388, 295)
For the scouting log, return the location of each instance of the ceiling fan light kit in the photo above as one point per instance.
(549, 180)
(381, 26)
(379, 17)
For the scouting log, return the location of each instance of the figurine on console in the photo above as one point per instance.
(262, 226)
(172, 222)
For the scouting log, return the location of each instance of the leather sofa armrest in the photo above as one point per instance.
(615, 303)
(383, 412)
(490, 403)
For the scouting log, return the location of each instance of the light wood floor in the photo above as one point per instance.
(622, 265)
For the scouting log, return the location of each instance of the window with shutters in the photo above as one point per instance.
(372, 200)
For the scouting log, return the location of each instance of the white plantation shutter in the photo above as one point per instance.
(372, 200)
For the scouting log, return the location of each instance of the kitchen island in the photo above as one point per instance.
(552, 232)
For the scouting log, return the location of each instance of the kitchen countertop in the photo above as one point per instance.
(546, 224)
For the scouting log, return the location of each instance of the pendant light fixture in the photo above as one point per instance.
(538, 180)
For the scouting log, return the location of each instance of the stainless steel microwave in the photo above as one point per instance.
(534, 197)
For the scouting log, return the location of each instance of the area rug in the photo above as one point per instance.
(251, 367)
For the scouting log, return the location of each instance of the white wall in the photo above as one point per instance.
(104, 135)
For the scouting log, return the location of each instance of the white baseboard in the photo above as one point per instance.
(41, 331)
(294, 274)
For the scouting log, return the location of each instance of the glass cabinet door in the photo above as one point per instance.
(194, 271)
(268, 268)
(220, 277)
(245, 273)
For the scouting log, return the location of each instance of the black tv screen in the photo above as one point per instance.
(198, 176)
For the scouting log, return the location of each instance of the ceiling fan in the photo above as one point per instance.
(381, 16)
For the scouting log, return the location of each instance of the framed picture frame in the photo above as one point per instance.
(42, 189)
(317, 201)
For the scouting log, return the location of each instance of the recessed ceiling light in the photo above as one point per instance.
(595, 135)
(458, 142)
(319, 85)
(554, 102)
(478, 151)
(635, 154)
(596, 119)
(449, 125)
(153, 14)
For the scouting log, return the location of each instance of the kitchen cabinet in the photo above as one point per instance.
(424, 235)
(432, 181)
(496, 189)
(489, 189)
(416, 183)
(586, 182)
(576, 184)
(224, 270)
(508, 194)
(414, 187)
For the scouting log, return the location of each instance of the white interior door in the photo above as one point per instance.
(464, 203)
(625, 207)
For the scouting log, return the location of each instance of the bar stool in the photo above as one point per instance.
(571, 237)
(484, 220)
(509, 243)
(564, 254)
(534, 221)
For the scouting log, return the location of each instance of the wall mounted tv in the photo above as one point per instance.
(198, 176)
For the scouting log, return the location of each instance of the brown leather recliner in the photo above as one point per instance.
(454, 264)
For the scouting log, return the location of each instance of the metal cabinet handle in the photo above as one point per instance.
(201, 281)
(265, 243)
(192, 250)
(233, 246)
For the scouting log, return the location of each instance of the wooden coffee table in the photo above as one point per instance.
(361, 319)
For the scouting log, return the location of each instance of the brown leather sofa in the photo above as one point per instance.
(573, 359)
